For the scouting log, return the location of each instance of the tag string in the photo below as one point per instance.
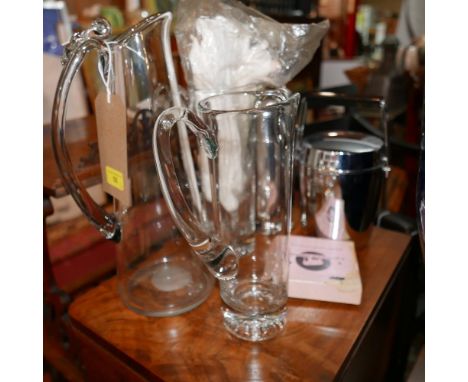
(107, 80)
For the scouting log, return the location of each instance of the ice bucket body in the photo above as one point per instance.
(342, 176)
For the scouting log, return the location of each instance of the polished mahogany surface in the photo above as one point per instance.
(317, 344)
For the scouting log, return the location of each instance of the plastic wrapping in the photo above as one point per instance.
(225, 45)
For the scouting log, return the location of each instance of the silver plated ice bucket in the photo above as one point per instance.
(341, 180)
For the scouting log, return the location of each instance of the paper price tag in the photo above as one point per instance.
(112, 141)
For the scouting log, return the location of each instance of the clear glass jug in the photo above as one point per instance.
(237, 214)
(157, 273)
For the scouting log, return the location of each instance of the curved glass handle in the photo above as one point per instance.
(221, 259)
(75, 52)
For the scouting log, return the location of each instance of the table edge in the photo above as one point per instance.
(375, 311)
(119, 354)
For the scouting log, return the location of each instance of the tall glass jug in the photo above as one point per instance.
(237, 214)
(157, 273)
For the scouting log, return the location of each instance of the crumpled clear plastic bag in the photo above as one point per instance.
(225, 45)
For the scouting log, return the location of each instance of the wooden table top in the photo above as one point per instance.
(316, 345)
(81, 138)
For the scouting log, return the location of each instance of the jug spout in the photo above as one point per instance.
(221, 259)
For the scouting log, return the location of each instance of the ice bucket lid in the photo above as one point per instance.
(343, 151)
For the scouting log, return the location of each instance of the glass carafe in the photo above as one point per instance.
(157, 273)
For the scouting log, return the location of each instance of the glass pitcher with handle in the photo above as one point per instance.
(237, 214)
(157, 274)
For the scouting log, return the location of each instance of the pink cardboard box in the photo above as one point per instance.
(323, 269)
